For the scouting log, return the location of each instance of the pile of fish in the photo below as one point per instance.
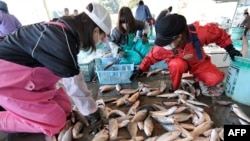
(179, 114)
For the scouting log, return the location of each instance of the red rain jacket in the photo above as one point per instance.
(209, 33)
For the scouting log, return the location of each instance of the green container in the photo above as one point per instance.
(237, 81)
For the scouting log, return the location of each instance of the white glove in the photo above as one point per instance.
(77, 89)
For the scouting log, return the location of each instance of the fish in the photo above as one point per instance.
(181, 117)
(197, 103)
(64, 129)
(165, 113)
(165, 72)
(102, 135)
(191, 105)
(132, 109)
(224, 103)
(169, 103)
(200, 129)
(68, 135)
(180, 109)
(179, 91)
(130, 100)
(148, 126)
(153, 72)
(121, 100)
(153, 93)
(140, 125)
(172, 127)
(123, 123)
(200, 119)
(236, 109)
(140, 115)
(120, 119)
(106, 88)
(141, 85)
(214, 135)
(243, 122)
(168, 95)
(169, 136)
(76, 131)
(163, 86)
(116, 112)
(221, 134)
(187, 126)
(113, 128)
(128, 91)
(118, 87)
(132, 129)
(163, 119)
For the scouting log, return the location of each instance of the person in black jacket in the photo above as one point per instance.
(35, 58)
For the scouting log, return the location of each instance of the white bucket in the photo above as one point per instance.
(237, 81)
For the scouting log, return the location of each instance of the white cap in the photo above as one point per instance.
(100, 16)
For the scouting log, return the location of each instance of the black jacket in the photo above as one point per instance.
(43, 45)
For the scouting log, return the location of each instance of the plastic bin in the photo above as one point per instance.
(159, 65)
(237, 32)
(106, 61)
(238, 76)
(116, 74)
(88, 70)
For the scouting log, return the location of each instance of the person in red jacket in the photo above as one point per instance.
(181, 46)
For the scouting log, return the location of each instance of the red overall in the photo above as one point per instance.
(186, 58)
(31, 100)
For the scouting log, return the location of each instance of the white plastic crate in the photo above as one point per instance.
(116, 74)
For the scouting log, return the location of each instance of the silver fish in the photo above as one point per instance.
(236, 109)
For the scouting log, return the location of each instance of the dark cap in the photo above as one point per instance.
(168, 28)
(3, 7)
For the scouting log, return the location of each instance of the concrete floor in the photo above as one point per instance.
(220, 115)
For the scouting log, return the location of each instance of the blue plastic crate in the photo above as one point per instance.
(88, 70)
(159, 65)
(116, 74)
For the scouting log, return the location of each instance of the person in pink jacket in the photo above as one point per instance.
(181, 46)
(32, 62)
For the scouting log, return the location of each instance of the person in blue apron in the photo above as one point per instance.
(125, 35)
(35, 58)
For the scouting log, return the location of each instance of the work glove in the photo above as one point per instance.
(171, 88)
(136, 74)
(144, 38)
(120, 52)
(232, 51)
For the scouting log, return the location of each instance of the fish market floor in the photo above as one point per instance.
(219, 114)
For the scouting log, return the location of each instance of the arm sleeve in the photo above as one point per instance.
(217, 35)
(114, 36)
(77, 89)
(156, 54)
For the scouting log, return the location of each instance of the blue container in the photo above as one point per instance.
(88, 70)
(106, 61)
(237, 32)
(116, 74)
(237, 81)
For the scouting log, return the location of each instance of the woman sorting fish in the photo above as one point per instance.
(181, 46)
(126, 36)
(35, 58)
